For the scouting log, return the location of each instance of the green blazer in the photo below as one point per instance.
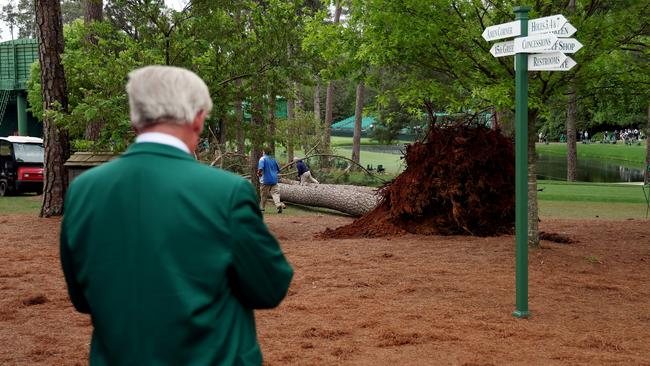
(169, 257)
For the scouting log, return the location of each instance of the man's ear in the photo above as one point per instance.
(197, 124)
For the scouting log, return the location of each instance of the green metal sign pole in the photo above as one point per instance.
(521, 171)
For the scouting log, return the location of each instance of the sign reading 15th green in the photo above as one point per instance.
(545, 35)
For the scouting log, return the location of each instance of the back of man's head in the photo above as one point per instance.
(166, 94)
(267, 150)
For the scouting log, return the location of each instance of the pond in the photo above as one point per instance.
(587, 170)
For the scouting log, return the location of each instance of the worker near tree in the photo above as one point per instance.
(268, 170)
(304, 173)
(169, 256)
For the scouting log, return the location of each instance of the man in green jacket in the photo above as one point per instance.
(167, 255)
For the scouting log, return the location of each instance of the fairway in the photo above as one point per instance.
(628, 155)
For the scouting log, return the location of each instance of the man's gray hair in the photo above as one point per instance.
(166, 93)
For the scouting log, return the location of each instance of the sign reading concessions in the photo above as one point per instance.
(537, 43)
(503, 49)
(567, 45)
(546, 24)
(567, 31)
(500, 31)
(546, 61)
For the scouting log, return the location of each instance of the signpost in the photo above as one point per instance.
(500, 31)
(545, 61)
(567, 45)
(541, 47)
(503, 49)
(537, 43)
(567, 31)
(546, 24)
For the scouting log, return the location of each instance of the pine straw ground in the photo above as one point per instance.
(407, 300)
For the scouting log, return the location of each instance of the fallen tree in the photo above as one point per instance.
(459, 180)
(352, 200)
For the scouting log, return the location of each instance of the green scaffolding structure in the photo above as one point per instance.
(16, 59)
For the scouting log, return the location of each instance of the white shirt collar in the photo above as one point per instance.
(162, 138)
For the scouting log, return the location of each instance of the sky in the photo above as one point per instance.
(6, 36)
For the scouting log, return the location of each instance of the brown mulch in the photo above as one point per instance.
(407, 300)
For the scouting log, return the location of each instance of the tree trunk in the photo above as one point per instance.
(271, 117)
(358, 117)
(257, 121)
(93, 12)
(329, 97)
(352, 200)
(290, 116)
(317, 101)
(646, 176)
(239, 121)
(300, 97)
(533, 214)
(53, 90)
(329, 108)
(572, 155)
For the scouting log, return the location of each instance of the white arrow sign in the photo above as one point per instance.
(546, 61)
(505, 30)
(566, 45)
(503, 49)
(536, 43)
(567, 31)
(546, 24)
(566, 65)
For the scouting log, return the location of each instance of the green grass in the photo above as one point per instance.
(20, 205)
(633, 155)
(591, 200)
(590, 192)
(391, 162)
(337, 141)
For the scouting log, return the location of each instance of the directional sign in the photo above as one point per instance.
(567, 31)
(567, 45)
(546, 24)
(566, 65)
(503, 49)
(505, 30)
(546, 61)
(536, 43)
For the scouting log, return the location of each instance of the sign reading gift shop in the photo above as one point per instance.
(540, 45)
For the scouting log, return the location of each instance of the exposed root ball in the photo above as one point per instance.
(459, 181)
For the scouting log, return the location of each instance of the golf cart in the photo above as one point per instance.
(21, 164)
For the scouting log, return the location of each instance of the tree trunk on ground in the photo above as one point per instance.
(93, 12)
(317, 100)
(347, 199)
(572, 155)
(53, 90)
(358, 117)
(646, 173)
(290, 116)
(533, 209)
